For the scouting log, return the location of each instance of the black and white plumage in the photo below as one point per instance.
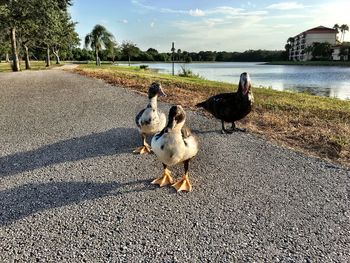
(231, 107)
(150, 120)
(173, 145)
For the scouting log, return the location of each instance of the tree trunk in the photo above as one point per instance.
(7, 59)
(129, 61)
(98, 63)
(27, 57)
(55, 52)
(15, 66)
(48, 62)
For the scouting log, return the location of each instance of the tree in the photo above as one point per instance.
(343, 52)
(343, 29)
(179, 54)
(30, 21)
(322, 50)
(5, 47)
(64, 35)
(130, 49)
(309, 50)
(12, 14)
(336, 27)
(98, 39)
(25, 38)
(289, 46)
(112, 50)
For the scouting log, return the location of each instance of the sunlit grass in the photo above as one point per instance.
(35, 65)
(317, 125)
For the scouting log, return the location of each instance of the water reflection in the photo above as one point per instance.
(321, 81)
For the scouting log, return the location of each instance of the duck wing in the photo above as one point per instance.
(185, 132)
(220, 105)
(138, 117)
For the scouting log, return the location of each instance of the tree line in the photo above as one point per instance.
(27, 27)
(128, 51)
(41, 29)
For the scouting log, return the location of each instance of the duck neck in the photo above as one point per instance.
(177, 128)
(153, 102)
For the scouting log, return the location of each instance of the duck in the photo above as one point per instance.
(175, 144)
(150, 120)
(231, 107)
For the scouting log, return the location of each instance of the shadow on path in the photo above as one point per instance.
(114, 141)
(28, 199)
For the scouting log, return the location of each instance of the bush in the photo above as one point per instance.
(186, 72)
(144, 67)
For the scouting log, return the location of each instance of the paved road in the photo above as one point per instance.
(72, 191)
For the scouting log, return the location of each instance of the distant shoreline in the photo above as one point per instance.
(292, 63)
(310, 63)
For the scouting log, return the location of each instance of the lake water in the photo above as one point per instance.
(316, 80)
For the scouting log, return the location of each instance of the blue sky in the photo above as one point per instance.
(208, 24)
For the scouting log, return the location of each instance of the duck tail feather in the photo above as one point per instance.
(201, 104)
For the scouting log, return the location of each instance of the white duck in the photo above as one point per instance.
(150, 120)
(175, 144)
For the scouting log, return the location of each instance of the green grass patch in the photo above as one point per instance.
(264, 97)
(35, 65)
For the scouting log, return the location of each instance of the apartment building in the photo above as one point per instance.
(307, 38)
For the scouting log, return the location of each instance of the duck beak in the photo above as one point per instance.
(245, 80)
(246, 87)
(161, 93)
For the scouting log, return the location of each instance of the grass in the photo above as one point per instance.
(315, 125)
(35, 65)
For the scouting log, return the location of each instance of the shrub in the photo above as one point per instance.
(186, 72)
(144, 67)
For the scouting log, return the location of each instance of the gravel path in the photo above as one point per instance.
(72, 191)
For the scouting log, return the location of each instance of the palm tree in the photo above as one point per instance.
(336, 27)
(343, 29)
(290, 40)
(98, 39)
(289, 45)
(308, 50)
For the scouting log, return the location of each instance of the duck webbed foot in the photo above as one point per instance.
(165, 179)
(184, 184)
(145, 148)
(232, 129)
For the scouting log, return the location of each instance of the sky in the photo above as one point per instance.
(208, 24)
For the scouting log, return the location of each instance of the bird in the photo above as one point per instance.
(231, 107)
(175, 144)
(150, 120)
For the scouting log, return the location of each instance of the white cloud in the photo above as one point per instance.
(225, 10)
(123, 21)
(137, 3)
(152, 24)
(196, 12)
(173, 11)
(286, 6)
(282, 26)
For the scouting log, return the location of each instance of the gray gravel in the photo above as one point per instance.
(72, 191)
